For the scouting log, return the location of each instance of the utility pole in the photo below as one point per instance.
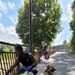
(30, 26)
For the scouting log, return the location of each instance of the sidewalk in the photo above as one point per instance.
(71, 55)
(42, 66)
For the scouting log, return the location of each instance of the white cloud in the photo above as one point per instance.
(61, 2)
(0, 15)
(69, 11)
(22, 2)
(1, 28)
(64, 18)
(3, 6)
(60, 34)
(61, 37)
(9, 34)
(11, 31)
(67, 16)
(1, 39)
(11, 5)
(13, 20)
(58, 39)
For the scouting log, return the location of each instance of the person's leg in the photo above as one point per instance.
(47, 56)
(22, 69)
(34, 70)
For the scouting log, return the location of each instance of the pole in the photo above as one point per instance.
(30, 26)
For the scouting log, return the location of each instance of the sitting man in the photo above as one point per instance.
(28, 61)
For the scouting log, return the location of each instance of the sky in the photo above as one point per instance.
(9, 18)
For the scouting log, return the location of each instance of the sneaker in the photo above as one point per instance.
(21, 71)
(35, 71)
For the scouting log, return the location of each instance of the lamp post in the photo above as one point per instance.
(30, 26)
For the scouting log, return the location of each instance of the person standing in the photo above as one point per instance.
(45, 52)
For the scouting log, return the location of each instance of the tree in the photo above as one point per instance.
(72, 26)
(6, 49)
(45, 21)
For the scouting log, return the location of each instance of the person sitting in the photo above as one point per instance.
(28, 61)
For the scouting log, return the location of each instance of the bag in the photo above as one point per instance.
(43, 59)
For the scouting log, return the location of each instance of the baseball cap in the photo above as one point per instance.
(42, 43)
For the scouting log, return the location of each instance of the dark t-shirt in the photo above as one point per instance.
(26, 60)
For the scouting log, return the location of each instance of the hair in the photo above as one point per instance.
(18, 47)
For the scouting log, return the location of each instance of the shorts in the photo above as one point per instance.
(25, 68)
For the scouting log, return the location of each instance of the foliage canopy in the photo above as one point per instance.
(45, 21)
(72, 25)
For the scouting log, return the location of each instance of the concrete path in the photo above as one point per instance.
(63, 62)
(42, 66)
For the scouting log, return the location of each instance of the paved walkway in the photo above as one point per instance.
(42, 66)
(60, 65)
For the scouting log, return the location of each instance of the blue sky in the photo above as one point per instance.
(9, 18)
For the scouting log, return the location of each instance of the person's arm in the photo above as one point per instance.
(13, 66)
(33, 60)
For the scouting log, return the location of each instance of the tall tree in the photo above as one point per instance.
(72, 25)
(45, 21)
